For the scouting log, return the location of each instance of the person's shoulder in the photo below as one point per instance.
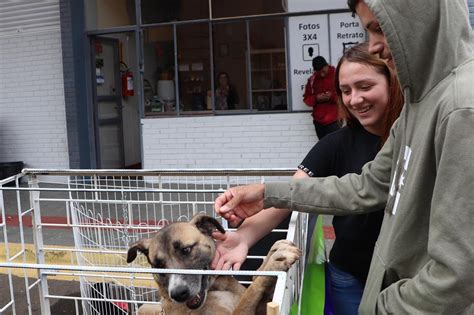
(338, 134)
(348, 134)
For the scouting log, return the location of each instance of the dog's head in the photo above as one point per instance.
(181, 245)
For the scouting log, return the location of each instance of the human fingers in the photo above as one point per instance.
(237, 266)
(222, 200)
(234, 221)
(219, 264)
(219, 202)
(228, 201)
(218, 236)
(227, 265)
(234, 218)
(215, 260)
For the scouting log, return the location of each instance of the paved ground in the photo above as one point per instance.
(63, 306)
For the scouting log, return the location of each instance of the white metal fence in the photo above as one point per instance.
(80, 231)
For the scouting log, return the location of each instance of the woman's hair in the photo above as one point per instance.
(360, 54)
(351, 4)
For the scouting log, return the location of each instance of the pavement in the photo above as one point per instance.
(20, 231)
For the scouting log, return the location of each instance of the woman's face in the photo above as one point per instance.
(223, 81)
(365, 94)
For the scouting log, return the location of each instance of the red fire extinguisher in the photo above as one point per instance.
(127, 80)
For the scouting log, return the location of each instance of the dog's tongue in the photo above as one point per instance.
(195, 302)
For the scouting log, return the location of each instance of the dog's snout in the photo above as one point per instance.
(180, 293)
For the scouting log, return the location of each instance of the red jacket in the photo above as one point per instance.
(325, 112)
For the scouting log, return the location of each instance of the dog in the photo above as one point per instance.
(189, 245)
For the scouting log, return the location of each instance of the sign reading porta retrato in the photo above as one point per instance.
(327, 35)
(346, 31)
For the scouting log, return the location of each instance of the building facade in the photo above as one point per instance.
(163, 83)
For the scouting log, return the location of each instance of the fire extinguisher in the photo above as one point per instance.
(127, 80)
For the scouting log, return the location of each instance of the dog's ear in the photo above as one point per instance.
(141, 246)
(207, 224)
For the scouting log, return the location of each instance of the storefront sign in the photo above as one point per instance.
(346, 31)
(308, 38)
(318, 35)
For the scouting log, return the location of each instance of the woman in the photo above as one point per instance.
(226, 94)
(369, 101)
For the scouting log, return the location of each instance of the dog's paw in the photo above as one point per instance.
(282, 256)
(279, 244)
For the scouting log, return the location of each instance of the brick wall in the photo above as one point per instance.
(240, 141)
(32, 109)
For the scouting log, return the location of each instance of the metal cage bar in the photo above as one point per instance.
(101, 212)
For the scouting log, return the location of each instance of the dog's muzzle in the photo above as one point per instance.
(182, 293)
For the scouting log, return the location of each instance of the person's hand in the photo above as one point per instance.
(240, 202)
(231, 251)
(323, 97)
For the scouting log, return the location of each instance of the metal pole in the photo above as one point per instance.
(39, 244)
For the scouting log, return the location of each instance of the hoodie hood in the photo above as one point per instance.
(407, 26)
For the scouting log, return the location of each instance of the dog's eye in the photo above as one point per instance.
(186, 250)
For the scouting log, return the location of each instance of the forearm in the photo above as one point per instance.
(259, 225)
(351, 194)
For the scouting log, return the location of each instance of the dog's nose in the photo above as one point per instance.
(180, 293)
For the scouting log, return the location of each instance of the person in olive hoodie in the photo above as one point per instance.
(423, 261)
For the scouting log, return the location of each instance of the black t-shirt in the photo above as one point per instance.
(339, 153)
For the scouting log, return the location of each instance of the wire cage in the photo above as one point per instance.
(92, 216)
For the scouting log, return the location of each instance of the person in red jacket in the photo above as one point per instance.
(320, 94)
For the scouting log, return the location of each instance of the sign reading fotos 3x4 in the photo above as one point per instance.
(327, 35)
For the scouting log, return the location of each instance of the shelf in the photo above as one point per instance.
(269, 79)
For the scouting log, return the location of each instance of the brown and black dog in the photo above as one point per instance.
(189, 245)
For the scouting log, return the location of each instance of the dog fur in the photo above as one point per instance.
(189, 245)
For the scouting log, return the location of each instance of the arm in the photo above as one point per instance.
(350, 194)
(347, 195)
(308, 97)
(232, 249)
(259, 225)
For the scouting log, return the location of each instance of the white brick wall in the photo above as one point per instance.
(241, 141)
(32, 108)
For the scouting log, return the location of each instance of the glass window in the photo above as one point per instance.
(245, 7)
(194, 67)
(158, 78)
(230, 66)
(159, 11)
(268, 64)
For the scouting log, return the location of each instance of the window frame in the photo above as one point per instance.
(138, 29)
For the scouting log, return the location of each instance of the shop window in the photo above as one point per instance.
(194, 67)
(230, 68)
(245, 7)
(158, 78)
(268, 65)
(159, 11)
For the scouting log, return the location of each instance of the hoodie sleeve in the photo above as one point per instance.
(445, 284)
(350, 194)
